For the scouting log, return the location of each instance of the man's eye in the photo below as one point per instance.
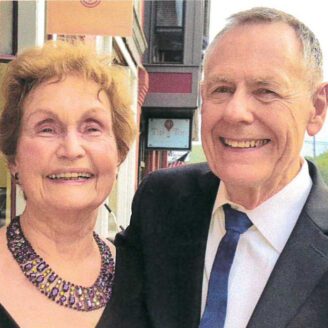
(222, 89)
(265, 92)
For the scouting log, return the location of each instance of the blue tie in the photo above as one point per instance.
(236, 223)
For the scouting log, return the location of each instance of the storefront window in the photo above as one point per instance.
(3, 193)
(5, 179)
(8, 28)
(168, 32)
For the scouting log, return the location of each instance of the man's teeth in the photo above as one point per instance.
(244, 143)
(70, 176)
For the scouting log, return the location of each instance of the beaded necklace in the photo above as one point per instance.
(63, 292)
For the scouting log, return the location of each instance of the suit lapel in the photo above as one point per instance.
(301, 265)
(197, 207)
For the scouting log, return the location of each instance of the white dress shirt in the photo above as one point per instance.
(258, 248)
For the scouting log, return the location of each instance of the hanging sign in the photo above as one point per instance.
(90, 17)
(169, 133)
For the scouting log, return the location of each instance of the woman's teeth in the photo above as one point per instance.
(70, 176)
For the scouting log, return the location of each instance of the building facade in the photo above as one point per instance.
(177, 34)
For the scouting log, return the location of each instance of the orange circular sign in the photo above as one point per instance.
(90, 3)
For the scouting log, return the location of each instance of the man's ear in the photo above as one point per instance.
(202, 89)
(320, 103)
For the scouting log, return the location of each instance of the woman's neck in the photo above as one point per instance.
(65, 234)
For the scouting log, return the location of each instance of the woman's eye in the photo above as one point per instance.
(93, 129)
(47, 130)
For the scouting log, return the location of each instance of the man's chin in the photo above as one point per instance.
(241, 177)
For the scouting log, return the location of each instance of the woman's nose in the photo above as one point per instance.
(71, 146)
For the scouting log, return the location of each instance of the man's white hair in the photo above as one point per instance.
(311, 48)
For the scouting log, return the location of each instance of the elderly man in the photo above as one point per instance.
(242, 241)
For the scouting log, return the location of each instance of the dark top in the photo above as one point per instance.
(7, 321)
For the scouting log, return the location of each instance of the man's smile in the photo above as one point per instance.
(244, 143)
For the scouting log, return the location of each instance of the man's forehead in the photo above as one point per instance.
(276, 81)
(254, 46)
(254, 30)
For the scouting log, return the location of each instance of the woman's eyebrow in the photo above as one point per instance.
(42, 112)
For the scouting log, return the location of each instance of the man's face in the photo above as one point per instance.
(257, 105)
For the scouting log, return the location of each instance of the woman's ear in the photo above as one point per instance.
(13, 168)
(320, 103)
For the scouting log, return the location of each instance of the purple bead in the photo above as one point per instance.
(89, 304)
(32, 276)
(54, 292)
(79, 291)
(33, 256)
(52, 277)
(79, 305)
(71, 300)
(65, 287)
(62, 299)
(40, 278)
(41, 266)
(28, 266)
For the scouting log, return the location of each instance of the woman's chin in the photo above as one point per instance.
(73, 204)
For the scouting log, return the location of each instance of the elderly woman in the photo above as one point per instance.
(65, 128)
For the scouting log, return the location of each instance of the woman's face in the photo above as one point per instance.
(67, 155)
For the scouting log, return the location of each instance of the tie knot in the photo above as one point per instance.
(236, 220)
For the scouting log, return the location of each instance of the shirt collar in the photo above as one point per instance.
(276, 217)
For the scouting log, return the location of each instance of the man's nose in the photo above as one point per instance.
(71, 146)
(239, 108)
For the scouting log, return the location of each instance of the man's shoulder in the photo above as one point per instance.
(189, 170)
(180, 176)
(183, 180)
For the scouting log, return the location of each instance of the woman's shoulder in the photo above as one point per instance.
(5, 256)
(3, 243)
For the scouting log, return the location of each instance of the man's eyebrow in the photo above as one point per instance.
(265, 81)
(217, 79)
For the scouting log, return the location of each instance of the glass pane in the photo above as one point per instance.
(169, 13)
(3, 200)
(4, 175)
(168, 47)
(6, 27)
(168, 40)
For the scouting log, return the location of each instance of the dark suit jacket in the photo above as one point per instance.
(160, 258)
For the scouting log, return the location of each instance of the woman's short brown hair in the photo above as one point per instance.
(57, 59)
